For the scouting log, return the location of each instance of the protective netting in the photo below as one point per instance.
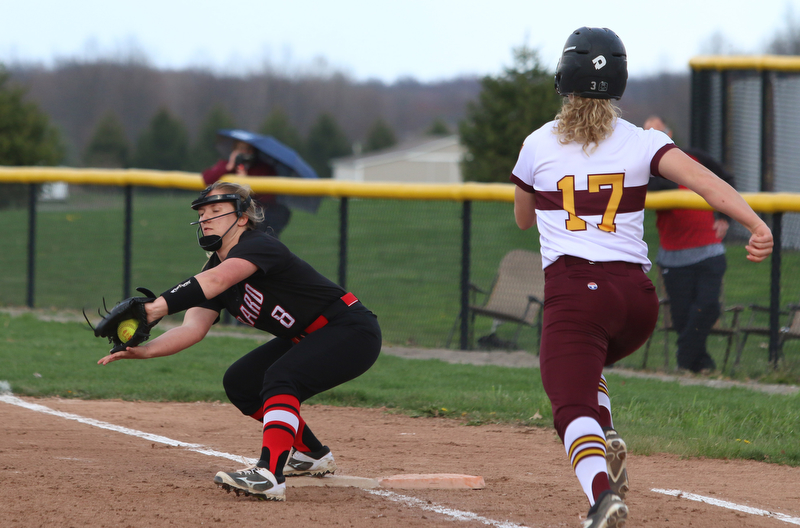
(403, 260)
(746, 114)
(749, 119)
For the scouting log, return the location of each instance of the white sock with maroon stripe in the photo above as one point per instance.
(585, 444)
(604, 400)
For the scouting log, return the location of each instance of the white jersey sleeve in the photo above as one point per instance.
(591, 205)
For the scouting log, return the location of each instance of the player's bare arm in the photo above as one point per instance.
(213, 282)
(196, 324)
(230, 271)
(524, 208)
(680, 168)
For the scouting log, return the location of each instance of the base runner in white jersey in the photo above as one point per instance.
(582, 179)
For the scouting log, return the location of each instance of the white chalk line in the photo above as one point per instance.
(411, 502)
(455, 514)
(8, 398)
(729, 505)
(395, 497)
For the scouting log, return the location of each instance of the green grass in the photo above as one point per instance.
(50, 358)
(42, 358)
(404, 257)
(403, 262)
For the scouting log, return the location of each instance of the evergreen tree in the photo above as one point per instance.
(26, 138)
(108, 147)
(325, 142)
(204, 153)
(278, 126)
(438, 128)
(508, 109)
(380, 136)
(164, 145)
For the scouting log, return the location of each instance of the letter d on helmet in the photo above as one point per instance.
(594, 64)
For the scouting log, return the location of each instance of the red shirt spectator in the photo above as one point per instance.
(244, 161)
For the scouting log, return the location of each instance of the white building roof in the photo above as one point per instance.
(427, 159)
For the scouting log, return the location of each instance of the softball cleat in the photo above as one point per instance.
(256, 481)
(312, 464)
(616, 462)
(608, 512)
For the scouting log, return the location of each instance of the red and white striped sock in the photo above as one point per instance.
(281, 422)
(304, 440)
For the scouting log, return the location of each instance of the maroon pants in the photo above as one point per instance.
(594, 315)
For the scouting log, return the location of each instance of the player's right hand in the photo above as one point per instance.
(760, 245)
(129, 353)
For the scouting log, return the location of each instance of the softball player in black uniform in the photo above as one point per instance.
(323, 335)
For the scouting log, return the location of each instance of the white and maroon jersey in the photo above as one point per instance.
(591, 205)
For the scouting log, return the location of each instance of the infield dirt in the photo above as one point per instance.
(63, 473)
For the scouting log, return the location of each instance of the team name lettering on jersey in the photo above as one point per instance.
(251, 307)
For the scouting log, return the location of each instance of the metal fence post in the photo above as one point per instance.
(466, 228)
(126, 249)
(775, 290)
(698, 107)
(343, 242)
(766, 148)
(31, 242)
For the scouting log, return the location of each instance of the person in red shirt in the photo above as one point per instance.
(692, 260)
(244, 161)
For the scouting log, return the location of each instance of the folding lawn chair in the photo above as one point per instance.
(516, 296)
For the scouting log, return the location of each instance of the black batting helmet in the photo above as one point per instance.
(594, 64)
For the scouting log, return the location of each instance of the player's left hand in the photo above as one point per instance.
(130, 308)
(760, 245)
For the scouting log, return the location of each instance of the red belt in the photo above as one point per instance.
(347, 300)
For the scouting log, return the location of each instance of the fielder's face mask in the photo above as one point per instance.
(214, 242)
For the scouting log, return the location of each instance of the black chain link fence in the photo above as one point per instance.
(404, 259)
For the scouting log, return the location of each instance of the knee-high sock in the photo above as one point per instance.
(604, 401)
(281, 421)
(586, 447)
(304, 440)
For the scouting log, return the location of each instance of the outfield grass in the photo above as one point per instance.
(403, 262)
(42, 358)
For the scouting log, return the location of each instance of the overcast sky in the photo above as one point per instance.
(425, 39)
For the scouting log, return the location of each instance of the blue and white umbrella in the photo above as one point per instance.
(287, 162)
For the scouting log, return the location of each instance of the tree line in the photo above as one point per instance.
(83, 98)
(128, 114)
(165, 143)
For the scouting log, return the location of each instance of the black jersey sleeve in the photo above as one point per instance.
(266, 252)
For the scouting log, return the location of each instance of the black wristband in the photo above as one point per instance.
(183, 296)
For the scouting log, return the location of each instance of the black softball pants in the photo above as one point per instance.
(340, 351)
